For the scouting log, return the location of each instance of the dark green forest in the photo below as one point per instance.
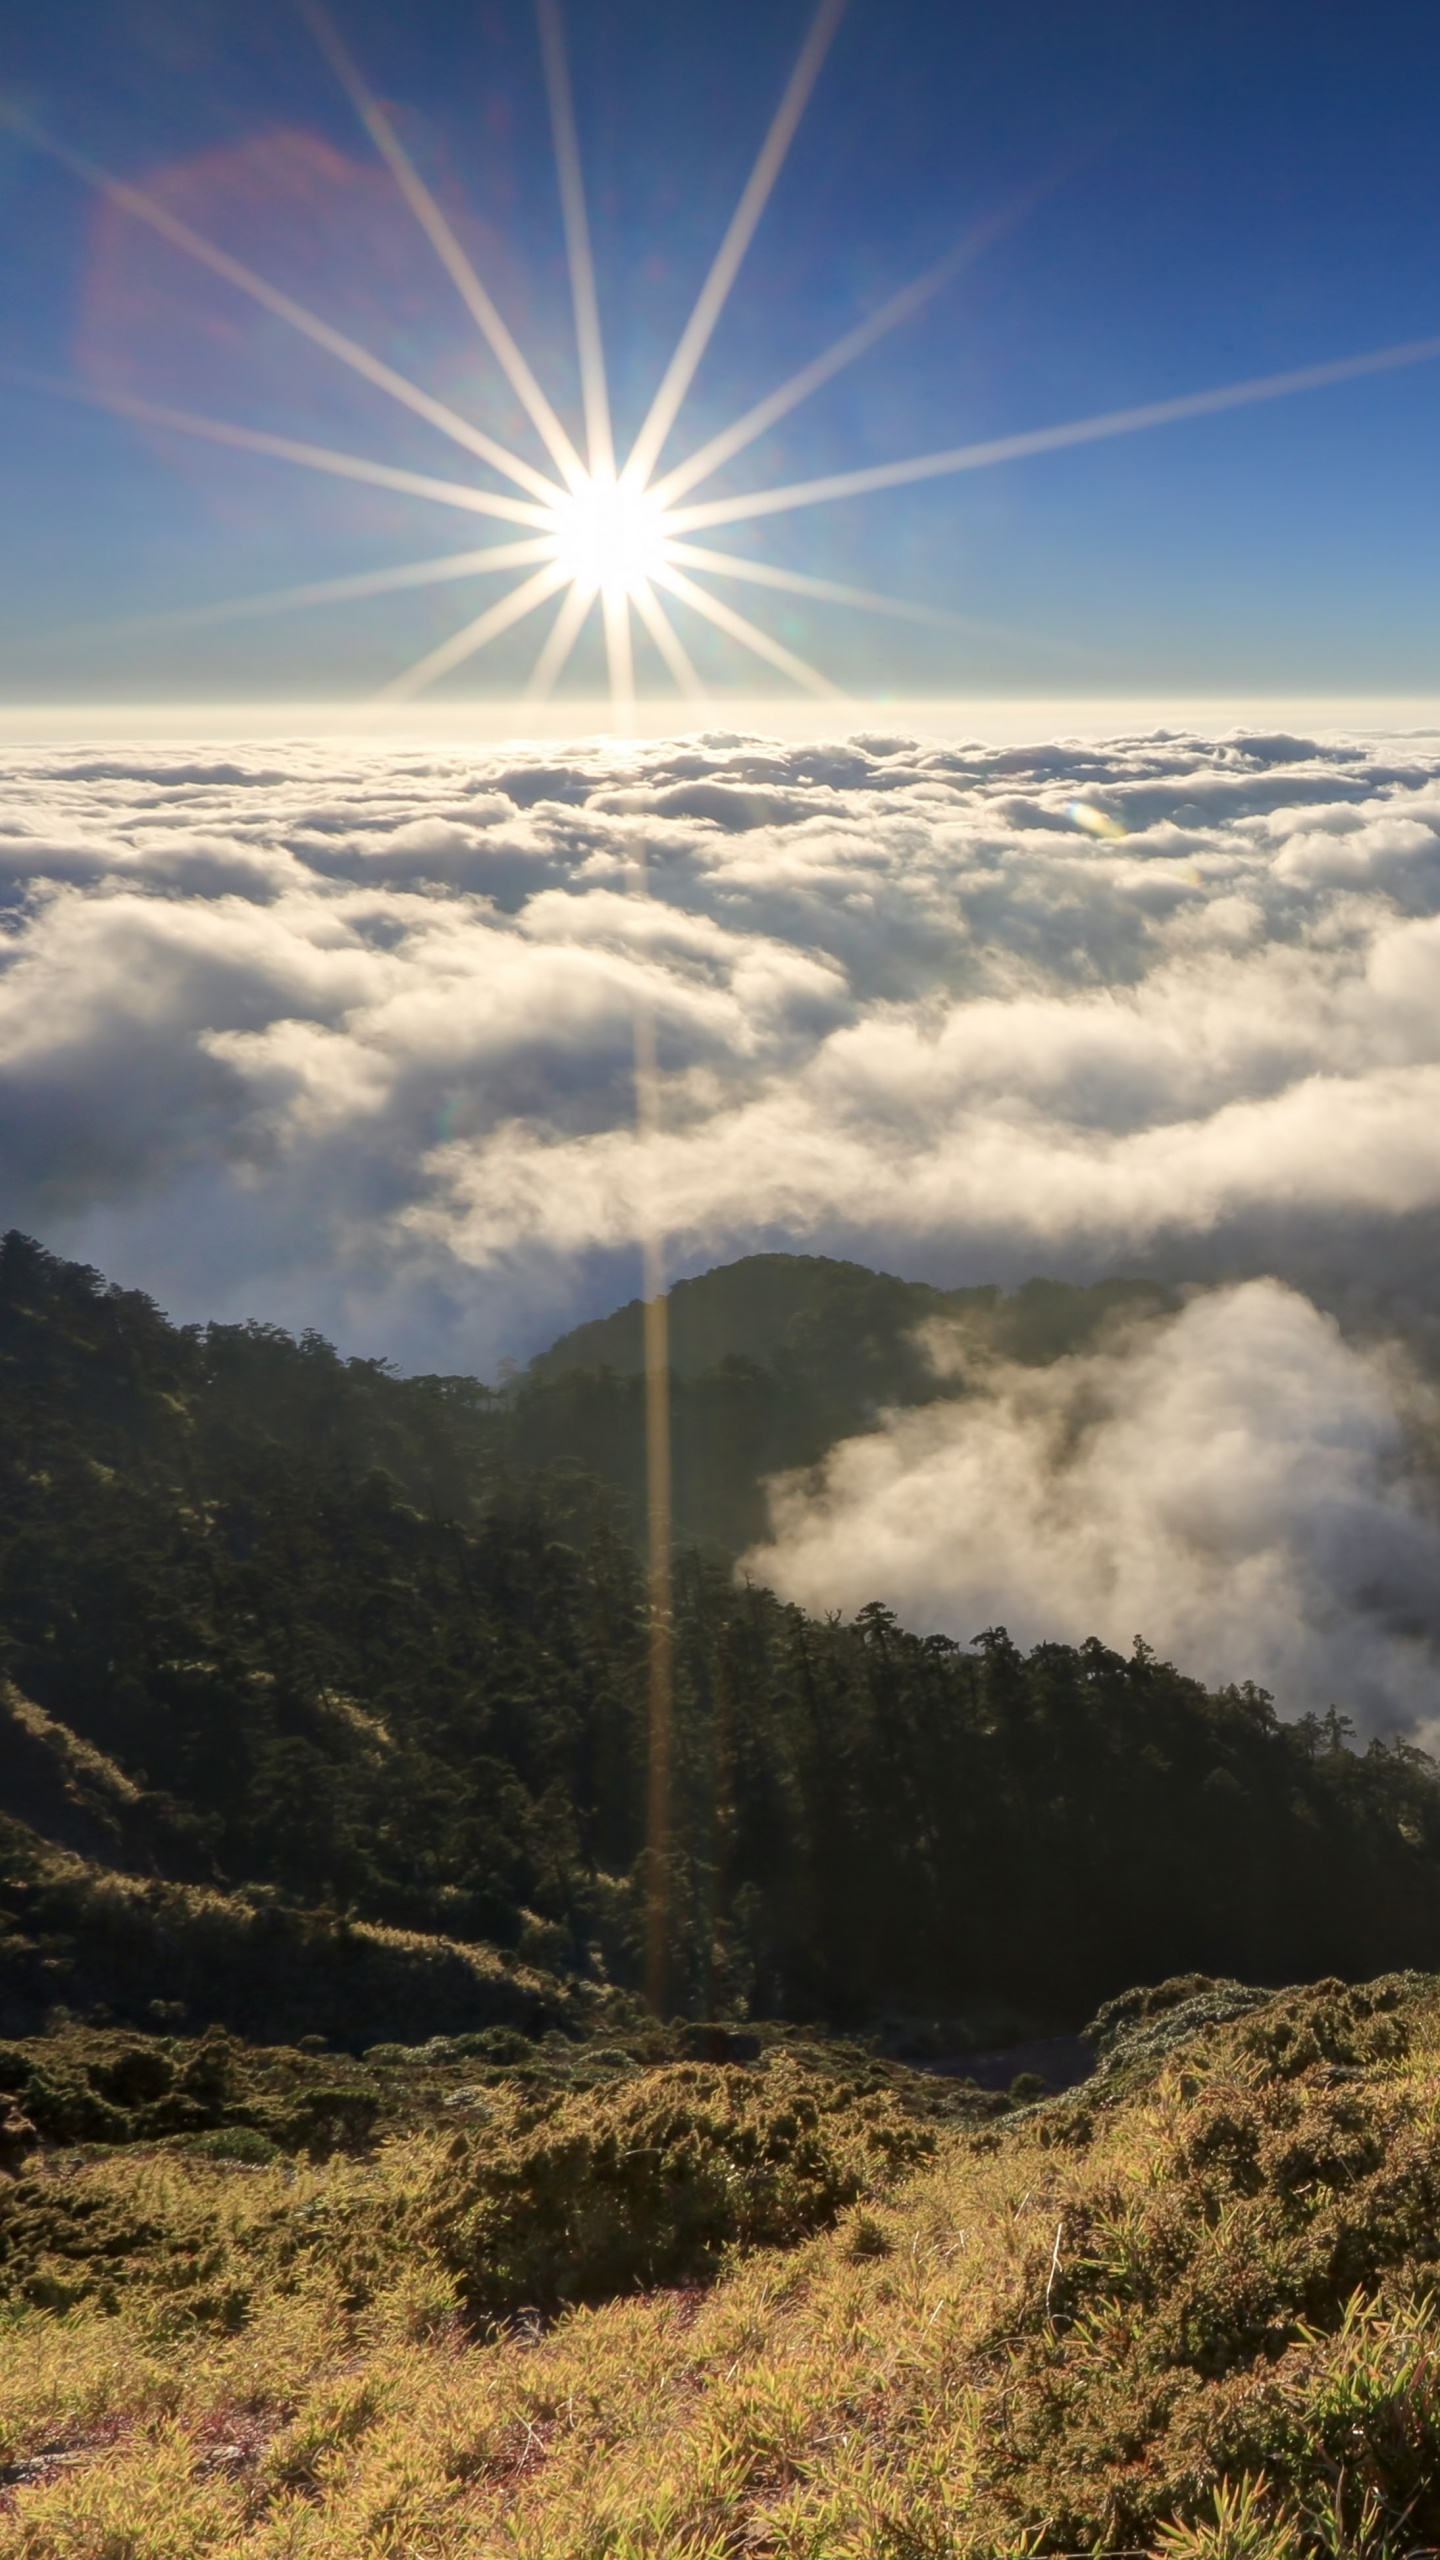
(311, 1653)
(773, 1360)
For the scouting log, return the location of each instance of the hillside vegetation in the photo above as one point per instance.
(325, 1712)
(763, 2307)
(352, 2204)
(773, 1360)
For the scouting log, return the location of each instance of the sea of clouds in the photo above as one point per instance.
(1236, 1484)
(345, 1035)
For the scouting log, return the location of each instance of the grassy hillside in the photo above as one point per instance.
(76, 1936)
(1186, 2311)
(323, 1713)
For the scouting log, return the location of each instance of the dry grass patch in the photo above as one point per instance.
(1193, 2320)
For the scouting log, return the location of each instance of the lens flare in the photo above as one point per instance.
(1093, 820)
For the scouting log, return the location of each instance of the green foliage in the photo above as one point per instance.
(82, 2086)
(573, 2199)
(568, 2176)
(1260, 2305)
(92, 2086)
(773, 1360)
(1132, 2034)
(237, 2142)
(159, 1952)
(318, 1697)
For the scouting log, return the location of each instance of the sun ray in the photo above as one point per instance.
(312, 457)
(759, 573)
(667, 639)
(867, 333)
(564, 631)
(714, 293)
(753, 638)
(143, 208)
(594, 393)
(901, 306)
(592, 534)
(1111, 422)
(619, 652)
(486, 562)
(458, 266)
(474, 636)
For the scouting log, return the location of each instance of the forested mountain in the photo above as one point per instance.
(773, 1360)
(848, 1331)
(286, 1631)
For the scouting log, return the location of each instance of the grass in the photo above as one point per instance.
(135, 1945)
(1187, 2311)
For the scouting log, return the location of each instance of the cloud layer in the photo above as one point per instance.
(1236, 1484)
(346, 1036)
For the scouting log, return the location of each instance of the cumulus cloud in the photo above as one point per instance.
(345, 1034)
(1237, 1484)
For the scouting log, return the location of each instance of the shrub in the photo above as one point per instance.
(326, 2119)
(238, 2142)
(650, 2181)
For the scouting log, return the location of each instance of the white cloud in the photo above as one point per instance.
(1236, 1484)
(344, 1034)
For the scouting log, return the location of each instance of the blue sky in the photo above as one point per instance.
(1185, 195)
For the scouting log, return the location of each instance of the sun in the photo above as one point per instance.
(610, 537)
(586, 528)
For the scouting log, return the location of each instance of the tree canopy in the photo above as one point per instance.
(339, 1636)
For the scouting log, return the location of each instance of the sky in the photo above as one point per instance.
(1158, 197)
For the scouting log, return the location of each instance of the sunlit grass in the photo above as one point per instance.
(1193, 2321)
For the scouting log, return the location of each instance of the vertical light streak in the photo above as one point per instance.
(615, 606)
(660, 1630)
(459, 267)
(721, 1827)
(475, 635)
(600, 442)
(667, 639)
(715, 292)
(749, 634)
(564, 631)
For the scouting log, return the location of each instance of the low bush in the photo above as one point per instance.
(651, 2181)
(237, 2142)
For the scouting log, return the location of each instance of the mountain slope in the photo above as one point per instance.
(774, 1359)
(280, 1625)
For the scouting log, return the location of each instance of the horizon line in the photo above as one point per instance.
(491, 720)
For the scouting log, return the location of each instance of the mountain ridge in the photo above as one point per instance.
(291, 1631)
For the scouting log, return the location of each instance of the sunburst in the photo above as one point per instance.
(603, 534)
